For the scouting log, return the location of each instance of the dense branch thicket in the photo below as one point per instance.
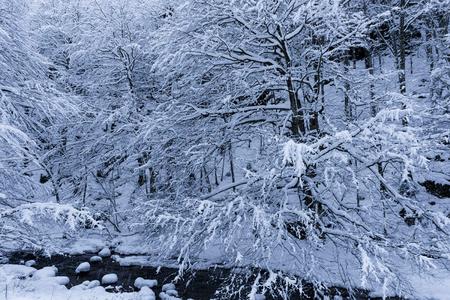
(300, 136)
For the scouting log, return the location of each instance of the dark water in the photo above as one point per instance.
(214, 283)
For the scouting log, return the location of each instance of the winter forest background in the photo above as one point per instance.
(304, 138)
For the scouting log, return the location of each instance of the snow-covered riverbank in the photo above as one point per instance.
(19, 282)
(29, 276)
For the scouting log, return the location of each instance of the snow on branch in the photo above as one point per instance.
(64, 213)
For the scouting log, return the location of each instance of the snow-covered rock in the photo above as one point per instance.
(133, 260)
(110, 279)
(30, 263)
(95, 259)
(82, 286)
(146, 293)
(4, 260)
(105, 252)
(260, 297)
(45, 272)
(85, 245)
(173, 293)
(165, 296)
(16, 271)
(62, 280)
(169, 292)
(141, 282)
(83, 268)
(93, 284)
(20, 285)
(168, 287)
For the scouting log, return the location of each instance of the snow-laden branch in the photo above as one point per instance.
(64, 213)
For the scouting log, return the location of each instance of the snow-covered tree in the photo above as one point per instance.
(295, 137)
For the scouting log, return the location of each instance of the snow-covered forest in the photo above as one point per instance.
(301, 145)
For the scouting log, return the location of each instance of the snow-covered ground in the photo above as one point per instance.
(18, 282)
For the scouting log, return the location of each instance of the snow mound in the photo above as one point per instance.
(62, 280)
(95, 259)
(4, 260)
(84, 245)
(30, 263)
(105, 252)
(82, 286)
(141, 282)
(16, 271)
(83, 268)
(93, 284)
(110, 279)
(134, 260)
(173, 293)
(45, 272)
(168, 287)
(165, 296)
(169, 292)
(146, 293)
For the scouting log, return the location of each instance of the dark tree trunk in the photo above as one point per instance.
(369, 66)
(402, 46)
(347, 104)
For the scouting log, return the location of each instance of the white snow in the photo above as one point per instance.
(133, 260)
(4, 260)
(16, 271)
(83, 286)
(83, 268)
(93, 284)
(45, 272)
(147, 294)
(436, 286)
(62, 280)
(84, 245)
(109, 278)
(168, 292)
(30, 263)
(95, 259)
(141, 282)
(165, 296)
(173, 293)
(168, 287)
(105, 252)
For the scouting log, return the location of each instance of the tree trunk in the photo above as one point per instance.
(402, 56)
(369, 67)
(347, 104)
(230, 152)
(152, 180)
(298, 123)
(428, 48)
(402, 46)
